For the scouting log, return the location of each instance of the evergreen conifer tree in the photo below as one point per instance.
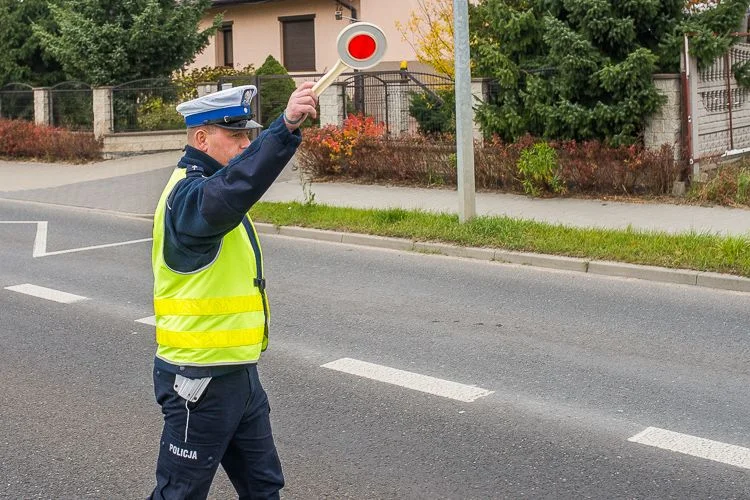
(274, 92)
(106, 43)
(581, 69)
(21, 56)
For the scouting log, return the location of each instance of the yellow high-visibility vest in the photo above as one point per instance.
(217, 315)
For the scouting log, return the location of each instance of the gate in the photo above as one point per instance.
(389, 96)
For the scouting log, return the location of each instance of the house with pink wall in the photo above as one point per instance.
(301, 34)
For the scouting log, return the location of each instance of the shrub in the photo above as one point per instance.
(594, 167)
(433, 115)
(274, 91)
(743, 187)
(155, 114)
(413, 160)
(726, 185)
(537, 169)
(589, 167)
(330, 150)
(24, 139)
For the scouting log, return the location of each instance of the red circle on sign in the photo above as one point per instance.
(362, 47)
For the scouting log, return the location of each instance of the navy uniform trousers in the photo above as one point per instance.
(230, 425)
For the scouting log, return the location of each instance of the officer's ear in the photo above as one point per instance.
(198, 138)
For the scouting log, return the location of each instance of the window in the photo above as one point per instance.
(298, 42)
(226, 47)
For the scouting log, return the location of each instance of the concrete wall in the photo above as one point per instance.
(126, 143)
(719, 110)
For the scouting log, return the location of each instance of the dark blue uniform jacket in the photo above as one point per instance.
(213, 200)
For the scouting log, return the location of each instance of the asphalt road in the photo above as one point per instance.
(577, 365)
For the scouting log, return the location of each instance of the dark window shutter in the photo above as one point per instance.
(299, 45)
(228, 47)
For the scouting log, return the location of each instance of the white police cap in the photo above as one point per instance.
(228, 108)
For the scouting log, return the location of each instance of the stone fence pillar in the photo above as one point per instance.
(397, 97)
(42, 110)
(480, 94)
(207, 88)
(331, 106)
(103, 114)
(665, 126)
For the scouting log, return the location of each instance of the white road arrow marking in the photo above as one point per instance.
(40, 242)
(151, 320)
(46, 293)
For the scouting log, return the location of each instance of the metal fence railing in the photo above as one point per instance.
(71, 106)
(405, 102)
(17, 102)
(144, 105)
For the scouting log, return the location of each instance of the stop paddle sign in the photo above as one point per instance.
(360, 46)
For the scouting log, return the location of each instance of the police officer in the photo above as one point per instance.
(210, 297)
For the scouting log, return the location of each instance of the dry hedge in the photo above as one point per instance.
(27, 140)
(584, 167)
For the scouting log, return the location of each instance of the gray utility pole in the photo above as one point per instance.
(464, 134)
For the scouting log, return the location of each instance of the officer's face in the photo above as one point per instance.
(223, 144)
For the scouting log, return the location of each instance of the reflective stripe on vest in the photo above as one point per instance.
(204, 307)
(216, 338)
(216, 314)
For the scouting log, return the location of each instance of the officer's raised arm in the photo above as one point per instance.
(233, 172)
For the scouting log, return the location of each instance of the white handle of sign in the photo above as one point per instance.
(327, 79)
(330, 77)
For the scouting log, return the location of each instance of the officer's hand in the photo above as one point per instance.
(302, 103)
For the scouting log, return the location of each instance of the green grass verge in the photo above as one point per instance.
(699, 251)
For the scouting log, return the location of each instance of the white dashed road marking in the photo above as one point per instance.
(410, 380)
(46, 293)
(151, 320)
(695, 446)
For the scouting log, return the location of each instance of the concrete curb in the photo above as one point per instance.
(103, 211)
(649, 273)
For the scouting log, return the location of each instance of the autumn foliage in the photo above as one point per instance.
(332, 149)
(24, 139)
(429, 31)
